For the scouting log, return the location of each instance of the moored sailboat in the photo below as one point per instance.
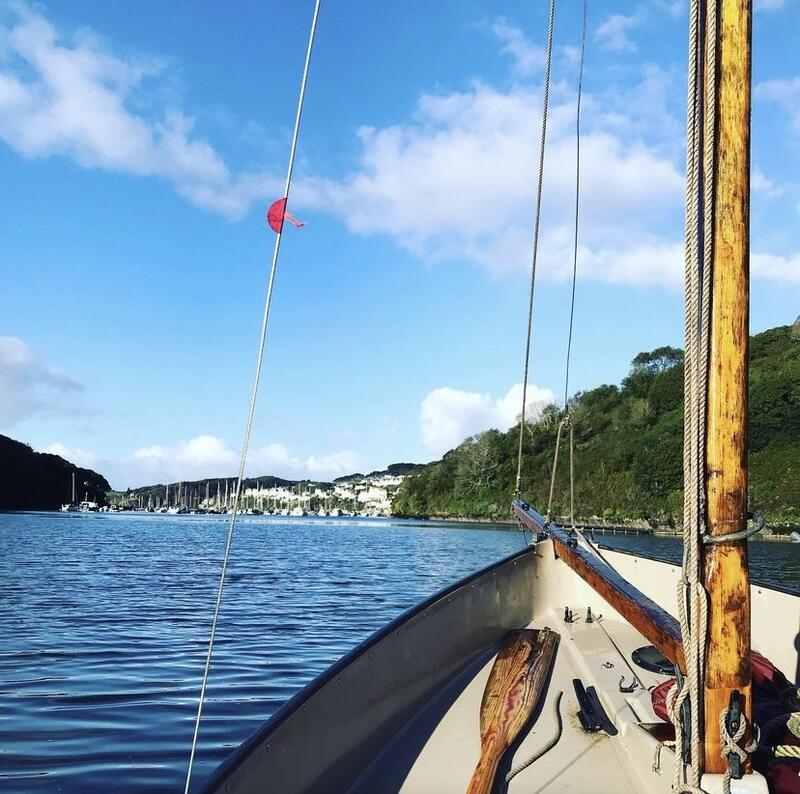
(71, 506)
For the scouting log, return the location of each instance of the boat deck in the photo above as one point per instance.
(438, 750)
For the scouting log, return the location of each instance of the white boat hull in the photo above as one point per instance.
(400, 712)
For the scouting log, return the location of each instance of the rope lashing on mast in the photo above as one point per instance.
(730, 745)
(535, 251)
(253, 397)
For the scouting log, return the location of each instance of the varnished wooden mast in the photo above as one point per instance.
(726, 570)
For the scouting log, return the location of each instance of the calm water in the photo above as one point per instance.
(105, 621)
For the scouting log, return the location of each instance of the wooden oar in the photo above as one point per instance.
(514, 688)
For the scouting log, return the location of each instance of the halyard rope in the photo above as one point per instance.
(577, 202)
(692, 597)
(567, 421)
(537, 217)
(253, 398)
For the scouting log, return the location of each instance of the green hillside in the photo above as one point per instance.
(628, 447)
(38, 481)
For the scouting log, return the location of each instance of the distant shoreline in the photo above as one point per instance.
(779, 534)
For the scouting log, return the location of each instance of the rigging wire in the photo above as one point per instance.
(253, 397)
(566, 422)
(577, 202)
(537, 218)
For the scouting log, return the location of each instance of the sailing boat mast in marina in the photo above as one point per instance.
(630, 689)
(72, 507)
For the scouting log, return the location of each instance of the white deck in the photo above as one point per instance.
(580, 762)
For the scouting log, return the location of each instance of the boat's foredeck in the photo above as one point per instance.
(443, 744)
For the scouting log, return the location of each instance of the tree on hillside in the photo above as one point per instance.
(647, 365)
(479, 460)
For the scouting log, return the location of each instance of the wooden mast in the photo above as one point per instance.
(727, 578)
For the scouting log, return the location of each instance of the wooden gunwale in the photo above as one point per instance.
(651, 620)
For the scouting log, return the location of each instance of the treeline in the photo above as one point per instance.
(628, 448)
(39, 481)
(392, 470)
(192, 492)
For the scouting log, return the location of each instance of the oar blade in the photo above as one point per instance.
(515, 687)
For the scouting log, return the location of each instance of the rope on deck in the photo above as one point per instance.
(547, 747)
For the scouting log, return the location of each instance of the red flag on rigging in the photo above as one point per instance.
(276, 215)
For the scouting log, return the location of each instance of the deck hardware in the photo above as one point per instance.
(569, 616)
(589, 618)
(732, 723)
(607, 665)
(586, 715)
(592, 715)
(650, 658)
(600, 713)
(748, 532)
(572, 541)
(623, 687)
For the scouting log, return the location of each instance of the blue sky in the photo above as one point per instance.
(141, 142)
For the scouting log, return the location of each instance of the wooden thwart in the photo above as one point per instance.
(514, 689)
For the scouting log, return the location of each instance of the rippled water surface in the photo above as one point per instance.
(105, 621)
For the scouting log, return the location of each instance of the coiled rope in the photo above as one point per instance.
(253, 398)
(535, 252)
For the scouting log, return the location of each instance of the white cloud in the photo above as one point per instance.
(675, 8)
(448, 415)
(785, 93)
(528, 58)
(206, 456)
(210, 456)
(458, 181)
(30, 387)
(80, 457)
(776, 268)
(761, 183)
(613, 33)
(70, 97)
